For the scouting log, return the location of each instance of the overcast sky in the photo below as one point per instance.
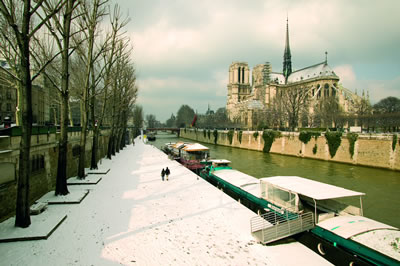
(183, 48)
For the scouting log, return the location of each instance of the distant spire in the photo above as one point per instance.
(326, 57)
(287, 62)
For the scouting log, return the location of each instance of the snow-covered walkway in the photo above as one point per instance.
(131, 217)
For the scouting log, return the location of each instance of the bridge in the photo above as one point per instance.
(171, 129)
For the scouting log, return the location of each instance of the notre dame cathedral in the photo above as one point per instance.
(247, 101)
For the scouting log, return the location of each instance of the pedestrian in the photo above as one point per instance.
(167, 173)
(163, 174)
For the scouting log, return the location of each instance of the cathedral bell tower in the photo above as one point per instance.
(238, 86)
(287, 61)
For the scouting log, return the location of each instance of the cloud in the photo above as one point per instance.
(183, 49)
(163, 96)
(377, 89)
(346, 74)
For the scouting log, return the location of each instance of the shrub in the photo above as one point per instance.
(315, 149)
(240, 136)
(230, 136)
(255, 135)
(209, 134)
(269, 137)
(204, 133)
(352, 137)
(394, 141)
(333, 139)
(215, 133)
(305, 136)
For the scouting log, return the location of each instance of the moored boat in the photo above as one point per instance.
(192, 155)
(151, 136)
(289, 205)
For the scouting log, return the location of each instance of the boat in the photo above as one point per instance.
(324, 216)
(194, 156)
(243, 187)
(151, 136)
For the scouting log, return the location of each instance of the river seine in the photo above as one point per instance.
(382, 187)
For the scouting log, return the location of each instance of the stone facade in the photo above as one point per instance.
(9, 98)
(318, 81)
(44, 159)
(372, 151)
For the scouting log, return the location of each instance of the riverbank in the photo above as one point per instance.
(380, 185)
(131, 217)
(369, 150)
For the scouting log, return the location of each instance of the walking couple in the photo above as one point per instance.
(165, 173)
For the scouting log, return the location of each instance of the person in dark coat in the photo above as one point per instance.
(162, 174)
(167, 173)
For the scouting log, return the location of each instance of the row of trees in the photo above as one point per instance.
(79, 47)
(291, 109)
(186, 115)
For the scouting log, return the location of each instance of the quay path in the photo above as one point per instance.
(131, 217)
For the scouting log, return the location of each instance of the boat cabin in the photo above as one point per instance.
(195, 151)
(219, 163)
(301, 194)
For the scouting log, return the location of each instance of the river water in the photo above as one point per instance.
(382, 187)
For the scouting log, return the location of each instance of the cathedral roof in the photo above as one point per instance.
(316, 71)
(311, 72)
(277, 78)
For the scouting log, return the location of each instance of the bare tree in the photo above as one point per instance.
(122, 61)
(328, 111)
(92, 13)
(23, 31)
(294, 103)
(151, 120)
(138, 119)
(59, 28)
(108, 56)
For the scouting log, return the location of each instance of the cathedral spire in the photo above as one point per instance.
(287, 62)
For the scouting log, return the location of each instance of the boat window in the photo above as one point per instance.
(281, 197)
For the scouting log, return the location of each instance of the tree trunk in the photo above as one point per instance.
(22, 215)
(82, 153)
(61, 182)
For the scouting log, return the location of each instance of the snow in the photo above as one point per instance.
(74, 196)
(385, 241)
(195, 147)
(310, 188)
(41, 228)
(89, 180)
(101, 169)
(132, 217)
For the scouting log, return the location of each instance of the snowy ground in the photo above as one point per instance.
(132, 217)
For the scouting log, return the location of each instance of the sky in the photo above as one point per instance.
(183, 48)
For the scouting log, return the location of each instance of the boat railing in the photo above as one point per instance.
(270, 227)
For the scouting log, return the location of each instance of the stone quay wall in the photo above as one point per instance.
(44, 160)
(369, 150)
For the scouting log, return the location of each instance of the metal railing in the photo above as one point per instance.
(270, 227)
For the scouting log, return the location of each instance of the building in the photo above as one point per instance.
(317, 82)
(9, 98)
(8, 95)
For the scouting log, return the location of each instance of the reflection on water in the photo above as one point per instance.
(382, 187)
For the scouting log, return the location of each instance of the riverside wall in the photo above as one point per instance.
(369, 150)
(44, 160)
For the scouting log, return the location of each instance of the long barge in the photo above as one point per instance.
(190, 155)
(296, 206)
